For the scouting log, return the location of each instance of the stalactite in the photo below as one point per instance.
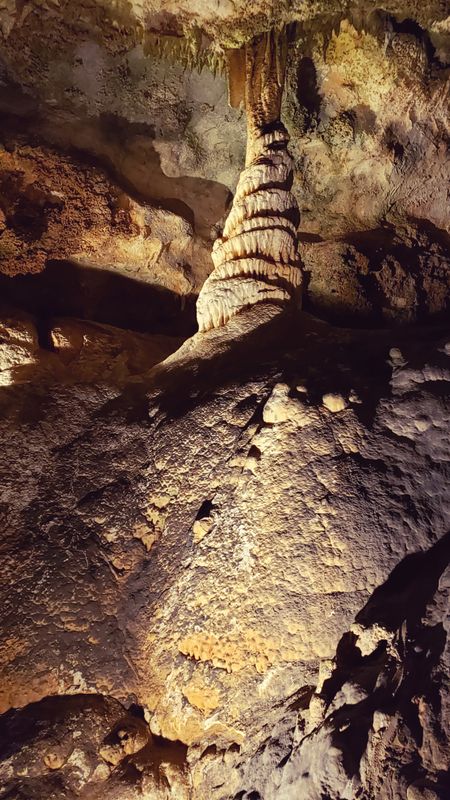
(189, 51)
(256, 259)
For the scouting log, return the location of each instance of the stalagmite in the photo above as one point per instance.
(256, 260)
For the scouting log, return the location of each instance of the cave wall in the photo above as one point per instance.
(366, 104)
(225, 554)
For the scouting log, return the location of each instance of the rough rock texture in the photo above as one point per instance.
(87, 746)
(167, 135)
(100, 253)
(223, 19)
(366, 106)
(256, 260)
(370, 104)
(62, 350)
(225, 553)
(320, 478)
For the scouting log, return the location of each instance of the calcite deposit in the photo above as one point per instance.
(257, 260)
(224, 414)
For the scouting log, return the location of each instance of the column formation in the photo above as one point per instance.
(256, 260)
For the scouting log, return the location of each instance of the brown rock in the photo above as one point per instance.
(224, 555)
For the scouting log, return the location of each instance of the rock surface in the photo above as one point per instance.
(225, 554)
(366, 106)
(87, 746)
(317, 509)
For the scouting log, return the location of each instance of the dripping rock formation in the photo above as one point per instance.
(224, 406)
(256, 260)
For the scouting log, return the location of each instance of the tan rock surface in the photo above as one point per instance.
(74, 351)
(311, 511)
(366, 107)
(224, 555)
(55, 209)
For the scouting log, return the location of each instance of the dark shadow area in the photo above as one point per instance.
(19, 727)
(351, 666)
(416, 264)
(435, 234)
(391, 678)
(365, 119)
(380, 242)
(408, 588)
(123, 149)
(344, 360)
(374, 243)
(98, 725)
(308, 91)
(309, 238)
(68, 289)
(13, 99)
(412, 28)
(205, 509)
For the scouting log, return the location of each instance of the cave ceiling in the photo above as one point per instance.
(124, 106)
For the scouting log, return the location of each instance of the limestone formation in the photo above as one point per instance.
(224, 552)
(256, 260)
(86, 746)
(370, 166)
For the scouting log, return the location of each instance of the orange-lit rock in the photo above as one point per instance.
(224, 554)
